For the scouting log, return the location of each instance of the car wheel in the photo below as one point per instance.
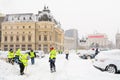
(111, 69)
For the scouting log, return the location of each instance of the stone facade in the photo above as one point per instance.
(37, 31)
(1, 20)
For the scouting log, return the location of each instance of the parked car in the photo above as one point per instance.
(108, 61)
(85, 54)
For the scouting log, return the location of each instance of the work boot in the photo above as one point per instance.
(22, 73)
(51, 70)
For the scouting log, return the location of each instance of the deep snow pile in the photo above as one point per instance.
(72, 69)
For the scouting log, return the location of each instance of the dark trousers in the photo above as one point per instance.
(67, 56)
(52, 64)
(16, 59)
(22, 67)
(32, 60)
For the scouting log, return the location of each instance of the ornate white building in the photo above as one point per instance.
(97, 40)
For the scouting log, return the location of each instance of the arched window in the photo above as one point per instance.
(23, 27)
(23, 38)
(11, 38)
(45, 37)
(5, 38)
(17, 38)
(18, 18)
(29, 38)
(30, 18)
(39, 37)
(29, 26)
(23, 18)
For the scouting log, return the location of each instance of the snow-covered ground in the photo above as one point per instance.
(72, 69)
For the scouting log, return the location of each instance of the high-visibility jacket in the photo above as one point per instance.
(24, 59)
(18, 52)
(10, 54)
(53, 54)
(32, 54)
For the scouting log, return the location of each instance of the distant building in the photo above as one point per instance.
(82, 43)
(1, 20)
(27, 30)
(118, 40)
(71, 39)
(97, 40)
(69, 43)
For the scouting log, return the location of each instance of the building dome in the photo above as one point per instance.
(45, 15)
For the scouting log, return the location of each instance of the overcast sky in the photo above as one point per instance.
(87, 16)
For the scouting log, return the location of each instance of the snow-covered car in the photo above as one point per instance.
(108, 61)
(39, 53)
(85, 54)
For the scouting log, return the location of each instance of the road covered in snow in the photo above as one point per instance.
(72, 69)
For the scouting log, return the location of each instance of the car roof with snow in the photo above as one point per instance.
(113, 54)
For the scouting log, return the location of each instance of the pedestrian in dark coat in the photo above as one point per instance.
(67, 54)
(96, 51)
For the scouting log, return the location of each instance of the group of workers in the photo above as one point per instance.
(22, 59)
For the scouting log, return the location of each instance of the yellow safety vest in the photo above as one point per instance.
(53, 54)
(32, 54)
(18, 52)
(24, 59)
(10, 54)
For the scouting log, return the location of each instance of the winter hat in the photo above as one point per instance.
(51, 48)
(10, 50)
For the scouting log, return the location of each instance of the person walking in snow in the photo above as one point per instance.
(67, 54)
(52, 59)
(23, 62)
(11, 56)
(32, 56)
(96, 51)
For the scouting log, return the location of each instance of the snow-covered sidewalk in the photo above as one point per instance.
(72, 69)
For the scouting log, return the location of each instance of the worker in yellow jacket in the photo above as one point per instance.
(23, 62)
(11, 56)
(52, 58)
(32, 56)
(17, 54)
